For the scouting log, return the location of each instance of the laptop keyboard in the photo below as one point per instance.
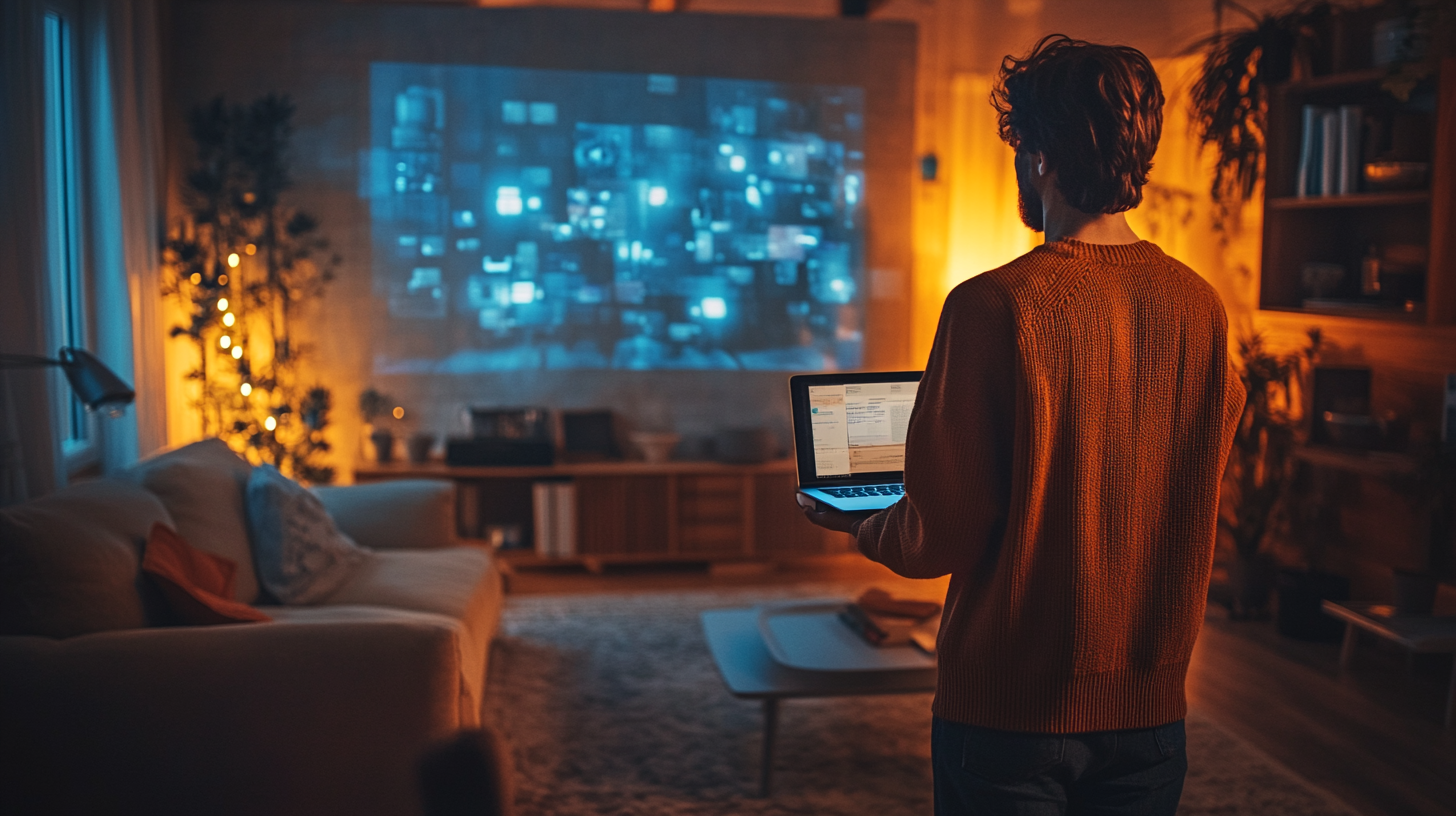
(865, 490)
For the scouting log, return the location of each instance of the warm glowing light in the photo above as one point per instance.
(237, 352)
(657, 196)
(251, 249)
(222, 280)
(196, 278)
(225, 341)
(222, 305)
(246, 389)
(270, 423)
(737, 164)
(228, 319)
(398, 412)
(234, 260)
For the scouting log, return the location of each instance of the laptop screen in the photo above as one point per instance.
(856, 430)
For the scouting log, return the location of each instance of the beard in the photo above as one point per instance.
(1028, 200)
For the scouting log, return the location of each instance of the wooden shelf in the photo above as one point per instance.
(637, 512)
(1356, 312)
(1393, 199)
(440, 470)
(1378, 464)
(1348, 79)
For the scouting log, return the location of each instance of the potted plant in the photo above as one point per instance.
(373, 406)
(1230, 99)
(1260, 464)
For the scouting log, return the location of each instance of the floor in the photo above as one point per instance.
(1371, 736)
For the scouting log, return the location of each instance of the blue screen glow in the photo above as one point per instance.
(531, 219)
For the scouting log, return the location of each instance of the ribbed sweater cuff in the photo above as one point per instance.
(998, 696)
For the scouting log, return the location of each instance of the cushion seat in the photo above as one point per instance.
(455, 582)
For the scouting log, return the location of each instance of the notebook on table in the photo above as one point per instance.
(849, 436)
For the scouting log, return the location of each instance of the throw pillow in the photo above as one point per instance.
(197, 584)
(202, 486)
(301, 556)
(70, 563)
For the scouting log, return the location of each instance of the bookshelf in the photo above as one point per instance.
(1411, 231)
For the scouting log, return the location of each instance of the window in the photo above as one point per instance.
(65, 271)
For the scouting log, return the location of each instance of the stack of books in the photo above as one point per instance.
(553, 506)
(886, 621)
(1329, 151)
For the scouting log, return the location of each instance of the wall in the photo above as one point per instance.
(319, 54)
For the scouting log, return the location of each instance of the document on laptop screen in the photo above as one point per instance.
(860, 428)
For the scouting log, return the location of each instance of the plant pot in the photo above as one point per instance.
(1300, 595)
(1415, 592)
(1253, 584)
(419, 447)
(383, 442)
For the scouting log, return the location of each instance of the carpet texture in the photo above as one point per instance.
(611, 705)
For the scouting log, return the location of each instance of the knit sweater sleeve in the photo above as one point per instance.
(959, 445)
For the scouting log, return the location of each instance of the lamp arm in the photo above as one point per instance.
(26, 361)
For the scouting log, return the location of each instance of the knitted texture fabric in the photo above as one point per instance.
(1062, 464)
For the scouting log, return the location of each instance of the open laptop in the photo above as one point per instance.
(849, 436)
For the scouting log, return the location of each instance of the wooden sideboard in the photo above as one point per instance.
(639, 511)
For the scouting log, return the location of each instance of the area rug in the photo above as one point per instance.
(611, 705)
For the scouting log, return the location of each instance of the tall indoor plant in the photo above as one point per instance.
(1261, 463)
(1230, 98)
(243, 264)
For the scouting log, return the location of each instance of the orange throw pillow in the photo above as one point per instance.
(198, 585)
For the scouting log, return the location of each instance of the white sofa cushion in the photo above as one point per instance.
(300, 555)
(456, 582)
(70, 563)
(202, 486)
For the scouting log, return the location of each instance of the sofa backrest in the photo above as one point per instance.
(70, 562)
(203, 486)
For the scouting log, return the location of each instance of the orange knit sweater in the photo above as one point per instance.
(1062, 464)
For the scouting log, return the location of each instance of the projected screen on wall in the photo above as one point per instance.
(530, 219)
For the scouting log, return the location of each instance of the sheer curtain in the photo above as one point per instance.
(29, 448)
(119, 92)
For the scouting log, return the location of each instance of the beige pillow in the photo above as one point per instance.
(70, 563)
(202, 485)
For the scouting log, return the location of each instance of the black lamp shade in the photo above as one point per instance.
(95, 384)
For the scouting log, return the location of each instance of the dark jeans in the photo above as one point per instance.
(1126, 773)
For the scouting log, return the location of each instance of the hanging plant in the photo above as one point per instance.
(1230, 99)
(244, 264)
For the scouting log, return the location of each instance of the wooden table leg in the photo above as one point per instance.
(770, 729)
(1347, 649)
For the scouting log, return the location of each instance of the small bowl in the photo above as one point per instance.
(656, 447)
(1388, 176)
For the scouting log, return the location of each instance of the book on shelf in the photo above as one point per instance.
(1329, 151)
(553, 510)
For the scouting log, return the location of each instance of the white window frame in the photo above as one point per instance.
(68, 283)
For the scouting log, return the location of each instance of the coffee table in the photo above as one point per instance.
(1418, 633)
(751, 672)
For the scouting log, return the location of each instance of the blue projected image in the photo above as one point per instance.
(534, 219)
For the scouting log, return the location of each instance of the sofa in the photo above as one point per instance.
(325, 709)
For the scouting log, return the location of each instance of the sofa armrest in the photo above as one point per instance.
(283, 717)
(408, 513)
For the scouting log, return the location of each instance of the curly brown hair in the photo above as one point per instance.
(1095, 112)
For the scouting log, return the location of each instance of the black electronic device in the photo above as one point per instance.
(491, 452)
